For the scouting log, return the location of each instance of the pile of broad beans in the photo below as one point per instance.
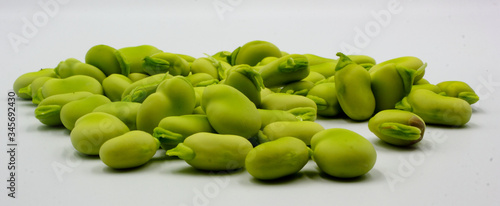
(252, 108)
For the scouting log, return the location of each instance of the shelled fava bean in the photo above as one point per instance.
(253, 108)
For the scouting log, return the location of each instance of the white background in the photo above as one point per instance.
(452, 166)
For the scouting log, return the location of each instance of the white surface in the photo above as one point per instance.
(451, 166)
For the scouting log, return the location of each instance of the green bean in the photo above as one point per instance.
(72, 66)
(173, 130)
(225, 106)
(397, 127)
(290, 68)
(34, 89)
(76, 83)
(137, 76)
(132, 58)
(301, 87)
(202, 79)
(114, 85)
(139, 90)
(48, 111)
(436, 109)
(391, 81)
(93, 129)
(26, 79)
(253, 52)
(325, 97)
(279, 158)
(125, 111)
(165, 62)
(354, 93)
(460, 90)
(213, 152)
(71, 111)
(247, 81)
(210, 66)
(129, 150)
(283, 101)
(343, 153)
(174, 96)
(314, 77)
(303, 130)
(104, 58)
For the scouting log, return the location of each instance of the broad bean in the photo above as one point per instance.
(129, 150)
(165, 62)
(72, 66)
(139, 90)
(202, 79)
(436, 109)
(174, 129)
(229, 111)
(354, 93)
(104, 58)
(114, 85)
(209, 151)
(253, 52)
(391, 81)
(48, 111)
(72, 111)
(211, 66)
(343, 153)
(26, 79)
(132, 58)
(279, 158)
(460, 90)
(93, 129)
(327, 69)
(325, 97)
(283, 101)
(76, 83)
(397, 127)
(247, 81)
(125, 111)
(301, 87)
(34, 89)
(174, 96)
(303, 130)
(290, 68)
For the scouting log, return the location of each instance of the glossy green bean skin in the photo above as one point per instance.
(213, 152)
(103, 57)
(174, 96)
(343, 153)
(93, 130)
(72, 111)
(173, 130)
(283, 101)
(114, 85)
(139, 90)
(125, 111)
(289, 68)
(26, 79)
(253, 52)
(48, 111)
(129, 150)
(460, 90)
(325, 97)
(225, 106)
(132, 58)
(72, 66)
(397, 127)
(76, 83)
(279, 158)
(247, 81)
(165, 62)
(34, 89)
(436, 109)
(354, 93)
(303, 130)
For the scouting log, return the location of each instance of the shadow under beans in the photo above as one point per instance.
(384, 145)
(370, 176)
(280, 181)
(109, 170)
(188, 170)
